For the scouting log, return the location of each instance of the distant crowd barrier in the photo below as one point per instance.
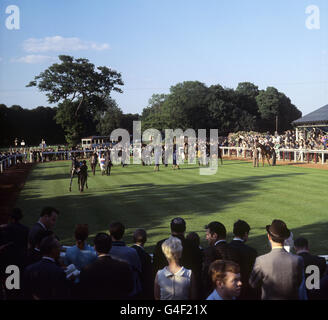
(295, 155)
(12, 160)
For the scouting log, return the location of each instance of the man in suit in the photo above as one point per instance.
(278, 273)
(218, 250)
(34, 254)
(47, 221)
(246, 257)
(302, 249)
(45, 280)
(124, 253)
(140, 238)
(191, 255)
(106, 278)
(13, 236)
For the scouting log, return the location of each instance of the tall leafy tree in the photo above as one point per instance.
(77, 80)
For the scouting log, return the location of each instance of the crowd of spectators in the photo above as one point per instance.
(314, 139)
(179, 269)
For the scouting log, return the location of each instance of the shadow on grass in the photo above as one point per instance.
(145, 206)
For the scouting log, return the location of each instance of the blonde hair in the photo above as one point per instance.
(172, 248)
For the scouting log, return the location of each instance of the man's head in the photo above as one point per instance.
(49, 216)
(50, 247)
(140, 236)
(39, 237)
(116, 230)
(178, 226)
(277, 232)
(301, 244)
(81, 232)
(225, 277)
(215, 231)
(241, 229)
(16, 215)
(103, 243)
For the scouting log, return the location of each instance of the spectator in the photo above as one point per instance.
(226, 279)
(47, 221)
(105, 278)
(173, 282)
(45, 280)
(218, 250)
(34, 254)
(121, 252)
(191, 255)
(302, 249)
(140, 238)
(278, 273)
(246, 257)
(81, 254)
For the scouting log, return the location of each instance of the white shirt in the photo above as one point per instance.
(48, 258)
(238, 239)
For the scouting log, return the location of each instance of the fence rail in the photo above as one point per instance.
(295, 155)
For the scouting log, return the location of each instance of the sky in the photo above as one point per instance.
(157, 44)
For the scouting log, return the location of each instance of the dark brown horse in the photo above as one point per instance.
(265, 152)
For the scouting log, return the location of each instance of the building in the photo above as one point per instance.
(317, 119)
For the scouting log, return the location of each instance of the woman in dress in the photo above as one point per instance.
(173, 282)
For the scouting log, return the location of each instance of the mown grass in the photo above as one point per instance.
(142, 198)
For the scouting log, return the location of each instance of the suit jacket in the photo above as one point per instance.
(46, 281)
(320, 262)
(16, 234)
(191, 256)
(146, 273)
(105, 279)
(279, 274)
(310, 259)
(36, 228)
(246, 257)
(221, 251)
(32, 257)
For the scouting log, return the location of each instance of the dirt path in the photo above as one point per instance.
(12, 182)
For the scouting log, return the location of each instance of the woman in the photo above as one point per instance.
(173, 282)
(81, 254)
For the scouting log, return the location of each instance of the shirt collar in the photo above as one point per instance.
(42, 225)
(217, 242)
(138, 245)
(103, 255)
(169, 274)
(238, 239)
(48, 258)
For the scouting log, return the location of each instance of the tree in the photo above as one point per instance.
(76, 80)
(109, 118)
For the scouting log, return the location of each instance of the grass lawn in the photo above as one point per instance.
(141, 198)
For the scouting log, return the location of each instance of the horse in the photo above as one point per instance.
(76, 170)
(93, 162)
(265, 152)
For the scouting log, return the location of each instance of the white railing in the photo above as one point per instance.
(11, 161)
(296, 155)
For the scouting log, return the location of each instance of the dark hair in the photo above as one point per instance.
(116, 229)
(140, 236)
(219, 268)
(241, 227)
(301, 243)
(47, 211)
(194, 238)
(218, 228)
(178, 225)
(103, 243)
(48, 244)
(81, 232)
(16, 214)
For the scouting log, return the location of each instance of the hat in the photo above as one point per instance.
(178, 225)
(278, 230)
